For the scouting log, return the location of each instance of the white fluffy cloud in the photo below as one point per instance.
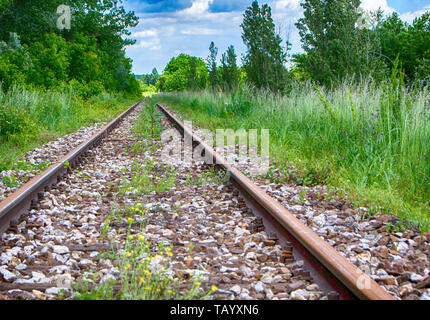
(198, 8)
(286, 6)
(410, 16)
(375, 5)
(151, 44)
(145, 34)
(200, 31)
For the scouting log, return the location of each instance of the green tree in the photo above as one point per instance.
(85, 59)
(50, 61)
(154, 77)
(99, 32)
(265, 57)
(229, 72)
(182, 73)
(335, 47)
(409, 43)
(212, 66)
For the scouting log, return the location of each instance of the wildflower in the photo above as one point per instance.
(128, 254)
(214, 288)
(130, 220)
(127, 266)
(141, 237)
(141, 280)
(130, 237)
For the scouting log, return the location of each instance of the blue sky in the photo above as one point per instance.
(168, 28)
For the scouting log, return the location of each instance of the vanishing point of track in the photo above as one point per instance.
(328, 268)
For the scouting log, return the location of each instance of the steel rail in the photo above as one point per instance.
(328, 267)
(19, 201)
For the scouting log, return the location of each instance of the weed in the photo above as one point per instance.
(10, 181)
(144, 274)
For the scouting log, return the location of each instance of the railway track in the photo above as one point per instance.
(285, 244)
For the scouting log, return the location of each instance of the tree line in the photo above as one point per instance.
(89, 55)
(340, 41)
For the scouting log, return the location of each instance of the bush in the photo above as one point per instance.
(10, 72)
(12, 121)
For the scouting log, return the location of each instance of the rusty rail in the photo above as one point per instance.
(19, 202)
(328, 267)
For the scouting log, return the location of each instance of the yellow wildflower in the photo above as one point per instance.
(214, 288)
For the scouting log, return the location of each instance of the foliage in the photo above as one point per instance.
(265, 57)
(91, 52)
(212, 65)
(50, 61)
(335, 47)
(30, 117)
(229, 71)
(149, 79)
(410, 43)
(184, 72)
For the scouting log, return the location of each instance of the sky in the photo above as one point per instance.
(168, 28)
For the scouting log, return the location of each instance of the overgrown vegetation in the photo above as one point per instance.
(351, 137)
(54, 80)
(30, 118)
(34, 51)
(143, 268)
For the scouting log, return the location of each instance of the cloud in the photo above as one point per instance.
(286, 6)
(200, 31)
(410, 16)
(375, 5)
(145, 34)
(197, 9)
(170, 27)
(152, 44)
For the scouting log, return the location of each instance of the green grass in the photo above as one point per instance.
(371, 141)
(30, 118)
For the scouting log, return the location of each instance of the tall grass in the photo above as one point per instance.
(372, 140)
(31, 117)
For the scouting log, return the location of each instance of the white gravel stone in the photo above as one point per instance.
(300, 294)
(402, 247)
(7, 275)
(259, 287)
(53, 290)
(61, 249)
(236, 290)
(21, 267)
